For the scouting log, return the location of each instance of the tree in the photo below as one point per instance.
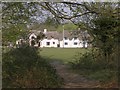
(81, 14)
(15, 18)
(40, 36)
(105, 32)
(100, 19)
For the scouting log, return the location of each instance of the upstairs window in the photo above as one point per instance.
(48, 43)
(53, 42)
(75, 38)
(32, 37)
(46, 37)
(65, 38)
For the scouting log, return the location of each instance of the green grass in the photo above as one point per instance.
(62, 54)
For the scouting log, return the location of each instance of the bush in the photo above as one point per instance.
(82, 61)
(93, 65)
(93, 59)
(24, 68)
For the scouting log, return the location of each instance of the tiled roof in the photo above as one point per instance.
(59, 35)
(36, 32)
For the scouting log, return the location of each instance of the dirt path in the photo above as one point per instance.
(72, 80)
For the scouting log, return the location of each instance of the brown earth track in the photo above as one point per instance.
(73, 80)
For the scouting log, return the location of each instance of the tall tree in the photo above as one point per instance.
(15, 17)
(100, 19)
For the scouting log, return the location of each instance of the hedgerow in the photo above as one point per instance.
(24, 68)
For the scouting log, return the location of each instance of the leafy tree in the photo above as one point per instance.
(84, 14)
(15, 18)
(106, 31)
(40, 36)
(100, 19)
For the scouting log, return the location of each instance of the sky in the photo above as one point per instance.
(60, 0)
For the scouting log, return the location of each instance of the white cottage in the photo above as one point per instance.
(49, 42)
(62, 40)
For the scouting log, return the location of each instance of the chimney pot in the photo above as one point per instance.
(45, 30)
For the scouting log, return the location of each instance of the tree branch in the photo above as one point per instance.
(63, 16)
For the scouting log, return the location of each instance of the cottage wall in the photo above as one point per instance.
(49, 42)
(72, 43)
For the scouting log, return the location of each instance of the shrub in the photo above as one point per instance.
(94, 65)
(24, 68)
(83, 61)
(92, 59)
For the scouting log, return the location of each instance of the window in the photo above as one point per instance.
(48, 43)
(65, 38)
(75, 43)
(53, 42)
(32, 37)
(58, 45)
(75, 38)
(52, 37)
(66, 43)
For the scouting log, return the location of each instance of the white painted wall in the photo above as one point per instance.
(86, 44)
(43, 43)
(71, 43)
(53, 42)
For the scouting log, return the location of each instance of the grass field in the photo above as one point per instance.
(63, 54)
